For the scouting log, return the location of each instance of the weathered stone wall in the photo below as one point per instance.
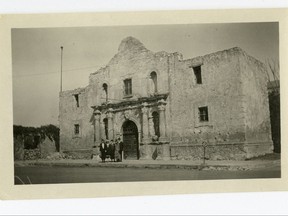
(47, 147)
(220, 91)
(70, 115)
(212, 152)
(42, 149)
(133, 61)
(19, 147)
(119, 119)
(256, 106)
(232, 88)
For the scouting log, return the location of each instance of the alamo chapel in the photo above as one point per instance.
(165, 107)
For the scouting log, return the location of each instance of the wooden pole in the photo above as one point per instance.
(61, 68)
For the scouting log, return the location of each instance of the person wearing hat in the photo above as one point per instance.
(111, 150)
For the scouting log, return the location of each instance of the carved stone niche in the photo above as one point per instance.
(127, 114)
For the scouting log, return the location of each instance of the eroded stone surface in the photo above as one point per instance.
(233, 88)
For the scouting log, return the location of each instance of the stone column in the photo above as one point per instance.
(151, 125)
(145, 148)
(161, 107)
(145, 126)
(110, 123)
(97, 132)
(163, 136)
(102, 127)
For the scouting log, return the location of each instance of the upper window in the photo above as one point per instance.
(197, 72)
(203, 114)
(105, 91)
(153, 78)
(128, 87)
(76, 96)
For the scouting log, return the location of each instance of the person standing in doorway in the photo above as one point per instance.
(103, 150)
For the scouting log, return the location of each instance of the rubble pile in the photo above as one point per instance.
(32, 154)
(55, 156)
(74, 155)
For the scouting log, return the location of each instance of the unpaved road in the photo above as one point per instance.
(53, 175)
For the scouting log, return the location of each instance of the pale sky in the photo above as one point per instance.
(36, 56)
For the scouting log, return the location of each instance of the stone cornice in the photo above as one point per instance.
(132, 104)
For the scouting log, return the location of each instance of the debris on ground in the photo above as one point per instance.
(272, 156)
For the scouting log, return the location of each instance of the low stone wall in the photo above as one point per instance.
(212, 152)
(18, 148)
(78, 154)
(154, 151)
(32, 154)
(258, 149)
(45, 148)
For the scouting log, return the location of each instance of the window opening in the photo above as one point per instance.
(76, 129)
(128, 87)
(153, 77)
(203, 114)
(197, 72)
(105, 91)
(76, 96)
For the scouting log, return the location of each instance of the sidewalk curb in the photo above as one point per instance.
(148, 166)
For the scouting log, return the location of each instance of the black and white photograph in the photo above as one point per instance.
(139, 103)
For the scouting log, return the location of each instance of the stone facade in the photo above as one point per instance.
(164, 107)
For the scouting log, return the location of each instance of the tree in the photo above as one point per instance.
(273, 71)
(51, 131)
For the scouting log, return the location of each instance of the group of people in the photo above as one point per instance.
(112, 148)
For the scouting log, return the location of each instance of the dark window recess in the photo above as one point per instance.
(155, 116)
(76, 96)
(105, 120)
(203, 114)
(128, 86)
(153, 77)
(198, 76)
(105, 89)
(76, 129)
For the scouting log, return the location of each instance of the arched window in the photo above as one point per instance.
(105, 120)
(155, 116)
(105, 92)
(153, 81)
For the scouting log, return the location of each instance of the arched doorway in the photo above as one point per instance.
(130, 140)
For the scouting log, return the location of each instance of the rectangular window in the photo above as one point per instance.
(197, 72)
(76, 129)
(203, 114)
(76, 96)
(128, 87)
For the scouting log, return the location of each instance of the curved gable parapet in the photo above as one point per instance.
(129, 48)
(130, 44)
